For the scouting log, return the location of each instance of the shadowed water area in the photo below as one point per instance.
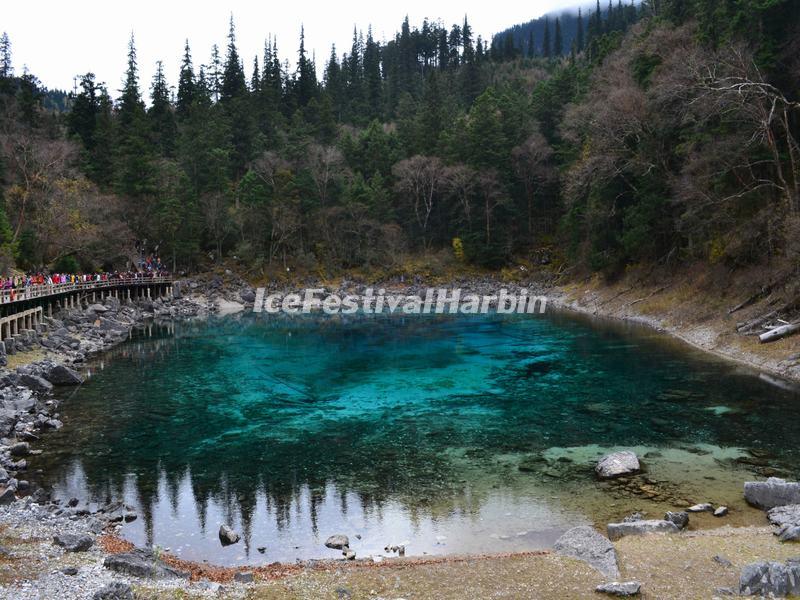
(451, 434)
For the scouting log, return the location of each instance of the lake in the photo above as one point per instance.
(451, 434)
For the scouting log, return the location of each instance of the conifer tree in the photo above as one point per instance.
(161, 114)
(558, 42)
(233, 79)
(579, 33)
(186, 83)
(546, 47)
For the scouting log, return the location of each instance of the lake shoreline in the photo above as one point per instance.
(209, 298)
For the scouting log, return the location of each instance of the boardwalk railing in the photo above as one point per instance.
(42, 290)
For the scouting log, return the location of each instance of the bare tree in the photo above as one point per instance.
(461, 182)
(532, 164)
(324, 163)
(422, 178)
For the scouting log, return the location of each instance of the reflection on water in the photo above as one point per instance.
(456, 434)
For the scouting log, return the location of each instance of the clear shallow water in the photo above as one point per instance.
(454, 434)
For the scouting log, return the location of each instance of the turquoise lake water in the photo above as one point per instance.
(450, 434)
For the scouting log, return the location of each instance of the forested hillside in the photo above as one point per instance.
(664, 133)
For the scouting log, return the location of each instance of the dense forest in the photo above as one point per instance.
(661, 133)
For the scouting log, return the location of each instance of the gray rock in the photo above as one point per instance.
(8, 493)
(72, 542)
(20, 449)
(98, 308)
(704, 507)
(142, 562)
(619, 530)
(722, 561)
(116, 590)
(790, 533)
(637, 516)
(771, 493)
(36, 383)
(590, 546)
(769, 578)
(617, 464)
(69, 571)
(784, 516)
(61, 375)
(350, 555)
(724, 591)
(680, 518)
(227, 535)
(721, 511)
(337, 542)
(620, 588)
(243, 577)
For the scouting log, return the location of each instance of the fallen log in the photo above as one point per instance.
(777, 333)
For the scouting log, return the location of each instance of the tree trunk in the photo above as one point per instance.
(778, 333)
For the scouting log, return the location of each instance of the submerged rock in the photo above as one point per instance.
(590, 546)
(227, 535)
(767, 578)
(680, 518)
(337, 542)
(617, 464)
(771, 493)
(243, 577)
(617, 588)
(618, 530)
(704, 507)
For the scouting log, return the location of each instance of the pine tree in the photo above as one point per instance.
(161, 114)
(558, 42)
(372, 76)
(233, 79)
(214, 74)
(255, 80)
(133, 169)
(546, 48)
(579, 33)
(531, 44)
(468, 52)
(306, 78)
(186, 83)
(6, 65)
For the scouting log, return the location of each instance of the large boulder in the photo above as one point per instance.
(142, 562)
(72, 542)
(617, 464)
(771, 493)
(590, 546)
(337, 542)
(619, 530)
(36, 383)
(770, 579)
(61, 375)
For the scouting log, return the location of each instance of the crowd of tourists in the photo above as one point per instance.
(17, 283)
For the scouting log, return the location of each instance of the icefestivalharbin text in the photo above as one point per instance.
(434, 301)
